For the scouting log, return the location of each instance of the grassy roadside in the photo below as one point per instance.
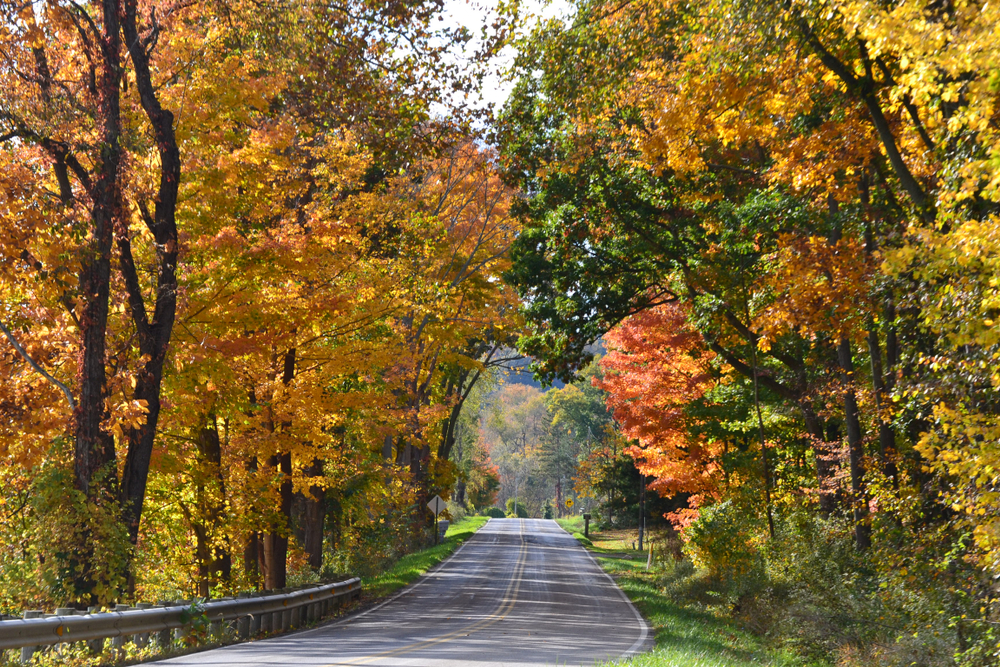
(686, 635)
(411, 566)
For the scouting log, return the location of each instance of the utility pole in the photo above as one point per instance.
(516, 481)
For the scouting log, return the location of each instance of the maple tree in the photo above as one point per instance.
(651, 372)
(213, 231)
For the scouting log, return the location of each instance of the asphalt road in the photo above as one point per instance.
(519, 592)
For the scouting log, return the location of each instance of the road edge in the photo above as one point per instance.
(376, 604)
(645, 634)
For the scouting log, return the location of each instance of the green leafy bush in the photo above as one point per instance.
(724, 541)
(516, 509)
(494, 513)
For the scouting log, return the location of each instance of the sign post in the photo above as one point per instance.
(436, 505)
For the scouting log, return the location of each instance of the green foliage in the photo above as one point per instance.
(687, 634)
(47, 567)
(494, 513)
(724, 540)
(516, 509)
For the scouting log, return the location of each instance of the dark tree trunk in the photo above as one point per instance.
(886, 436)
(314, 518)
(855, 443)
(825, 477)
(153, 333)
(642, 509)
(251, 556)
(95, 450)
(253, 550)
(214, 560)
(276, 541)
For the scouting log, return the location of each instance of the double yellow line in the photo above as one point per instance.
(505, 607)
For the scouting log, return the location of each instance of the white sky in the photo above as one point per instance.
(474, 14)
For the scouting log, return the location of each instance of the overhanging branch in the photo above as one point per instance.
(41, 371)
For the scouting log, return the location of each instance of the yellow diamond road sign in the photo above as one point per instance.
(569, 502)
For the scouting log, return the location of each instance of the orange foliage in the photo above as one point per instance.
(654, 369)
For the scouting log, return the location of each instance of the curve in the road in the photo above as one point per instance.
(518, 593)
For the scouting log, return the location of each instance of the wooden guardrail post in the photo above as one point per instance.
(142, 640)
(28, 651)
(117, 643)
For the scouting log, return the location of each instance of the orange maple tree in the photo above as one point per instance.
(656, 365)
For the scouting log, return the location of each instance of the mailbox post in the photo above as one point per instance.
(586, 525)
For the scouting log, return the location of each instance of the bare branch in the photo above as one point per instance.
(38, 369)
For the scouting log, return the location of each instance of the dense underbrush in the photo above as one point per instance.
(810, 591)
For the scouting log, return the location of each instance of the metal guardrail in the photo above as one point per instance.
(247, 617)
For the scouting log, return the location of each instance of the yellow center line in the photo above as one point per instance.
(501, 612)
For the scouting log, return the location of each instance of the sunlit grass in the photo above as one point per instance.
(685, 636)
(410, 567)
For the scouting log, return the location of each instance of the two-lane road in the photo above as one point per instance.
(519, 592)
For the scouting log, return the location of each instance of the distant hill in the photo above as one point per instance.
(519, 373)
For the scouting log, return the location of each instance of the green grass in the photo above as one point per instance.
(685, 634)
(411, 566)
(572, 524)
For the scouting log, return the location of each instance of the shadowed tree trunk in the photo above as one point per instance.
(855, 443)
(276, 541)
(213, 557)
(152, 333)
(314, 517)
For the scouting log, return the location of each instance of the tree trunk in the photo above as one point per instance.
(824, 465)
(559, 500)
(886, 436)
(153, 334)
(276, 541)
(214, 560)
(855, 443)
(95, 448)
(642, 508)
(315, 517)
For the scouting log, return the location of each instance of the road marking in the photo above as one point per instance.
(501, 612)
(428, 576)
(643, 628)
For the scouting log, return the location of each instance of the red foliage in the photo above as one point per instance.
(656, 365)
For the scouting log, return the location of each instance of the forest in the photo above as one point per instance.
(270, 273)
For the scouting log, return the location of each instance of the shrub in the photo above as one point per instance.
(494, 513)
(723, 540)
(454, 511)
(516, 509)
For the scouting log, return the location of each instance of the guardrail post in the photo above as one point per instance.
(180, 633)
(142, 640)
(118, 642)
(29, 651)
(64, 611)
(96, 646)
(266, 620)
(163, 636)
(243, 623)
(215, 630)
